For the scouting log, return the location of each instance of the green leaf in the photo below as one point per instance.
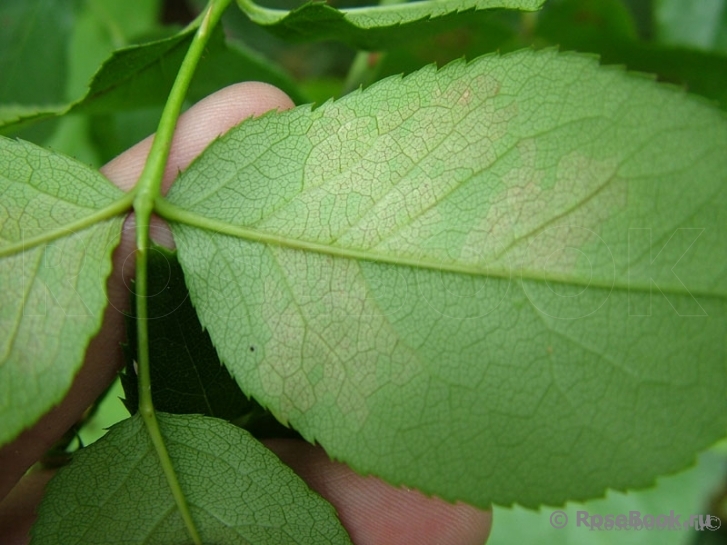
(700, 24)
(469, 40)
(125, 25)
(502, 281)
(140, 76)
(15, 118)
(238, 491)
(109, 410)
(583, 21)
(33, 49)
(102, 27)
(134, 77)
(375, 27)
(59, 224)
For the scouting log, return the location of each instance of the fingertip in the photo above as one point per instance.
(196, 128)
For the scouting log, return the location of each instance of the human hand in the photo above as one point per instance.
(372, 511)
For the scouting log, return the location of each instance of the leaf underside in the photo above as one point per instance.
(52, 294)
(375, 27)
(238, 491)
(503, 281)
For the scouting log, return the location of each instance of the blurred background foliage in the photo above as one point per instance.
(47, 60)
(51, 49)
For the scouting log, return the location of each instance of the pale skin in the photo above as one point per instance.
(372, 511)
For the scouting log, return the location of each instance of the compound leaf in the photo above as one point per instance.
(374, 27)
(503, 281)
(238, 491)
(59, 224)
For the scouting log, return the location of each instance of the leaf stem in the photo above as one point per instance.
(148, 188)
(512, 272)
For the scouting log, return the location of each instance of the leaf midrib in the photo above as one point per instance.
(175, 214)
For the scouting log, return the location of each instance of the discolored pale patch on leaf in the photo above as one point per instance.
(527, 224)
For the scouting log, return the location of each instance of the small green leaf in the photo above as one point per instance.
(238, 491)
(59, 224)
(134, 77)
(103, 26)
(140, 76)
(374, 27)
(499, 282)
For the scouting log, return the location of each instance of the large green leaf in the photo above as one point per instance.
(375, 27)
(501, 281)
(238, 491)
(58, 227)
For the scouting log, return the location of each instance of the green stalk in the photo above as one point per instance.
(148, 188)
